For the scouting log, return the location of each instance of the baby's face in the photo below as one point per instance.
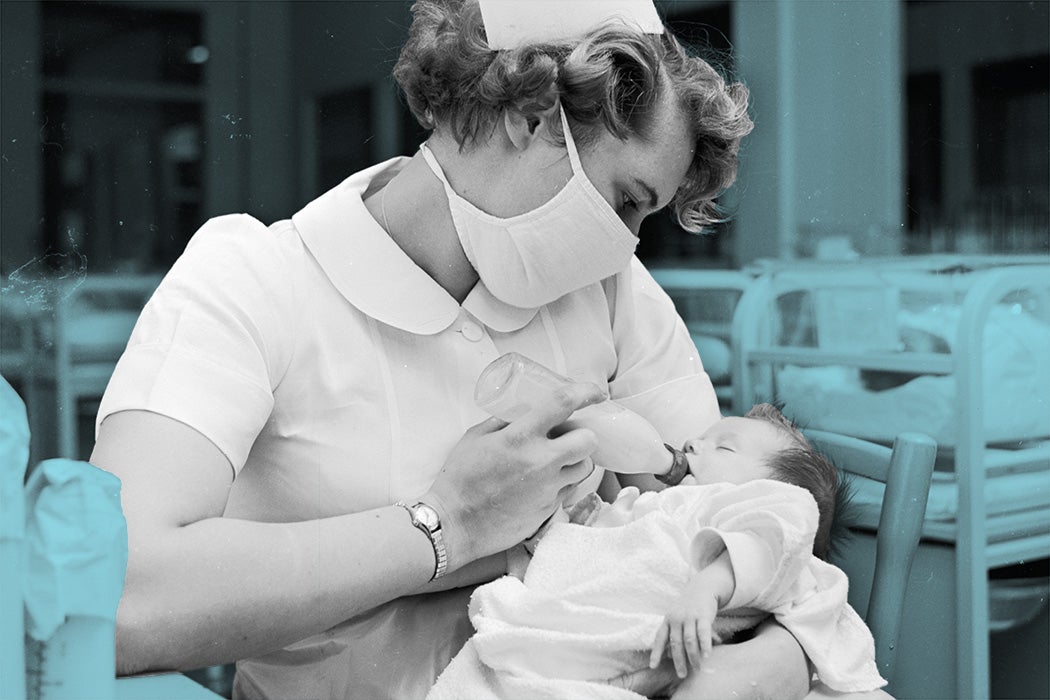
(735, 450)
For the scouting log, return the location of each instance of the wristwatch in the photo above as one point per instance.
(427, 519)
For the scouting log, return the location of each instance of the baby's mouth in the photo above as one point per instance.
(695, 463)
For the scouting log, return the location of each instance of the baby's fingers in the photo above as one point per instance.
(659, 645)
(693, 642)
(704, 635)
(678, 651)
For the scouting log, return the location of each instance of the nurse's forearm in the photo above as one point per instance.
(222, 589)
(473, 574)
(770, 665)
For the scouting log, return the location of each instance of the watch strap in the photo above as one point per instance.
(435, 536)
(679, 468)
(437, 539)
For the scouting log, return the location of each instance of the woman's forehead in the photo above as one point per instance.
(663, 158)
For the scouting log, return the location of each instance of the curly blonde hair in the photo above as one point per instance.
(611, 80)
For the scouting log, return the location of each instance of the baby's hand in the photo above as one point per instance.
(558, 516)
(689, 631)
(584, 511)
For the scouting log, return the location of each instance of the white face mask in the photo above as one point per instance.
(531, 259)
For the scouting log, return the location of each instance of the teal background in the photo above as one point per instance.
(882, 128)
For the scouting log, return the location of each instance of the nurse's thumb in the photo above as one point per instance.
(489, 425)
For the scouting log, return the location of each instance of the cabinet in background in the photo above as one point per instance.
(120, 120)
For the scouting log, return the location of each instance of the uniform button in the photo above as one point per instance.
(472, 331)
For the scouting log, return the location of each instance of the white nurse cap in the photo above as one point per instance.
(513, 23)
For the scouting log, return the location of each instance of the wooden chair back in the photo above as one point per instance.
(906, 471)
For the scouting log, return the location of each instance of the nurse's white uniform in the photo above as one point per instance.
(336, 376)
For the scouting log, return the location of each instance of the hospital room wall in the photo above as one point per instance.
(243, 126)
(348, 68)
(930, 46)
(828, 81)
(826, 156)
(808, 64)
(20, 193)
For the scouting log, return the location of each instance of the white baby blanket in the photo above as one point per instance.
(593, 597)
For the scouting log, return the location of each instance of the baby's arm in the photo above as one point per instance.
(767, 528)
(751, 545)
(689, 628)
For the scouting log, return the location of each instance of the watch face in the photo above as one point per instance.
(428, 516)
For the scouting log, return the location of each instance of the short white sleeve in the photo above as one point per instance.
(659, 374)
(214, 339)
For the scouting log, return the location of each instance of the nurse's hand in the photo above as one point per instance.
(770, 665)
(502, 480)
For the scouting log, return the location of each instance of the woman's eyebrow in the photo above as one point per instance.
(648, 190)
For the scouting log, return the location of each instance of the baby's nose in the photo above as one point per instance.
(692, 446)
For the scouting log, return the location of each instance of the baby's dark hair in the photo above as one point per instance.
(803, 466)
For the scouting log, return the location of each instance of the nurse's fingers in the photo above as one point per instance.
(573, 452)
(556, 407)
(574, 474)
(489, 425)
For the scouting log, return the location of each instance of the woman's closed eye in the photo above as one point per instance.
(629, 202)
(727, 448)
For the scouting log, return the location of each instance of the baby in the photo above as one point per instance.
(763, 445)
(743, 537)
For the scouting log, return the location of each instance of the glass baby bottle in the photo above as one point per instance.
(627, 443)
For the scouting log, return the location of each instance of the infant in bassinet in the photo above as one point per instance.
(1015, 396)
(690, 565)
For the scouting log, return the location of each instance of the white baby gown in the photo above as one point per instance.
(593, 597)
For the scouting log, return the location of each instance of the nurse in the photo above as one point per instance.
(309, 487)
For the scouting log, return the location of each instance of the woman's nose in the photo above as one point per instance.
(692, 446)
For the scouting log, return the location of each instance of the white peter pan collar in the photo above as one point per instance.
(372, 272)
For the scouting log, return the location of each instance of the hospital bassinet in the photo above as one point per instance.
(956, 347)
(68, 340)
(706, 300)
